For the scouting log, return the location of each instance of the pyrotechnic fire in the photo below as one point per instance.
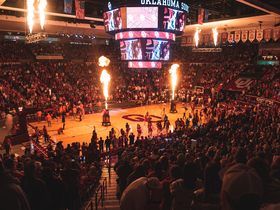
(103, 61)
(215, 35)
(173, 77)
(197, 31)
(105, 78)
(30, 14)
(41, 8)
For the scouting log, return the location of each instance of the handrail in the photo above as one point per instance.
(97, 200)
(90, 205)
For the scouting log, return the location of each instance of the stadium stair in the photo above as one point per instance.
(197, 77)
(110, 201)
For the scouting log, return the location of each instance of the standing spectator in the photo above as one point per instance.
(63, 121)
(49, 120)
(209, 196)
(107, 143)
(100, 143)
(175, 173)
(34, 188)
(56, 187)
(71, 178)
(123, 172)
(7, 144)
(183, 188)
(242, 188)
(136, 195)
(46, 135)
(11, 194)
(39, 115)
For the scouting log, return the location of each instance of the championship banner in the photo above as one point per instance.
(187, 41)
(267, 34)
(211, 39)
(219, 38)
(239, 84)
(259, 35)
(244, 36)
(207, 50)
(275, 34)
(237, 36)
(183, 41)
(206, 39)
(200, 41)
(224, 37)
(252, 35)
(230, 38)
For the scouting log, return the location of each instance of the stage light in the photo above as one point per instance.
(196, 36)
(76, 35)
(215, 35)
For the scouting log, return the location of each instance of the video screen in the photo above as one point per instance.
(142, 17)
(173, 19)
(112, 20)
(131, 49)
(157, 50)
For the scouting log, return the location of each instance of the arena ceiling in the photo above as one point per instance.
(227, 15)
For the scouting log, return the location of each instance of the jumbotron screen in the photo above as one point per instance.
(113, 20)
(142, 17)
(131, 49)
(157, 50)
(173, 19)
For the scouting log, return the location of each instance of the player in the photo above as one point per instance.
(163, 114)
(139, 130)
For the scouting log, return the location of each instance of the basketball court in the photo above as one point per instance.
(81, 131)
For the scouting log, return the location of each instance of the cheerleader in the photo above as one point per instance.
(127, 129)
(167, 124)
(163, 114)
(146, 117)
(150, 128)
(159, 127)
(139, 130)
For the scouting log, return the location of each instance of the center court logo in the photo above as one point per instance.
(243, 83)
(140, 118)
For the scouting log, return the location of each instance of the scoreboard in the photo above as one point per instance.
(145, 29)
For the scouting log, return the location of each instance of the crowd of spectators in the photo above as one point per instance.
(12, 51)
(189, 161)
(62, 181)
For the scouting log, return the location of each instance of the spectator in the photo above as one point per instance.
(242, 188)
(136, 195)
(34, 188)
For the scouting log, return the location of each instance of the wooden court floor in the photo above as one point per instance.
(81, 131)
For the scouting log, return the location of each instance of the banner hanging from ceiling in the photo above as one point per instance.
(259, 35)
(267, 34)
(237, 36)
(252, 35)
(244, 36)
(224, 37)
(275, 34)
(230, 38)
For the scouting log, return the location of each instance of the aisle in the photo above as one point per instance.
(111, 202)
